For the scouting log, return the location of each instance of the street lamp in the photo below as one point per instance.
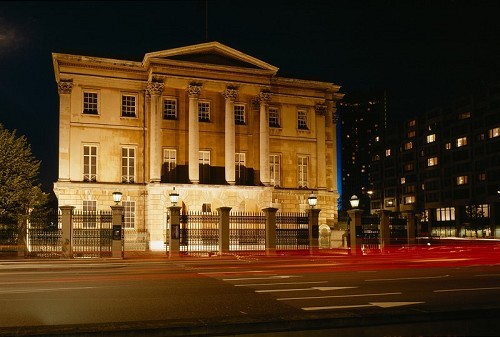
(117, 197)
(312, 200)
(174, 197)
(354, 201)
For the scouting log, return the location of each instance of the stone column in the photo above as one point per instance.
(332, 158)
(155, 89)
(117, 242)
(384, 230)
(223, 229)
(229, 135)
(67, 231)
(270, 213)
(264, 138)
(356, 230)
(410, 227)
(64, 89)
(194, 91)
(313, 214)
(175, 231)
(321, 146)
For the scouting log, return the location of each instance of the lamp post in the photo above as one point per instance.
(313, 213)
(117, 218)
(175, 224)
(312, 200)
(356, 229)
(174, 197)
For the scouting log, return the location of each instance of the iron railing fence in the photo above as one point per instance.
(199, 233)
(247, 232)
(92, 234)
(371, 233)
(292, 231)
(43, 234)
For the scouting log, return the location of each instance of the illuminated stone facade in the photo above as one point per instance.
(218, 125)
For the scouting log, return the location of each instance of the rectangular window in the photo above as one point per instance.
(413, 122)
(481, 177)
(411, 134)
(168, 171)
(464, 115)
(89, 213)
(129, 105)
(274, 169)
(445, 214)
(462, 141)
(240, 166)
(302, 171)
(129, 214)
(90, 163)
(204, 161)
(477, 211)
(389, 203)
(90, 102)
(447, 146)
(409, 200)
(128, 165)
(408, 167)
(206, 208)
(403, 180)
(204, 111)
(408, 145)
(432, 161)
(388, 152)
(431, 138)
(495, 132)
(274, 117)
(169, 108)
(302, 120)
(461, 180)
(239, 114)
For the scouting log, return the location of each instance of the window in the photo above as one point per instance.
(302, 120)
(495, 132)
(89, 208)
(403, 180)
(409, 200)
(204, 161)
(432, 161)
(445, 214)
(204, 111)
(411, 134)
(408, 145)
(389, 203)
(129, 214)
(90, 102)
(477, 211)
(89, 163)
(388, 152)
(274, 169)
(461, 180)
(169, 108)
(377, 139)
(408, 167)
(464, 115)
(239, 114)
(129, 105)
(447, 146)
(413, 122)
(240, 166)
(206, 208)
(376, 157)
(274, 117)
(462, 141)
(128, 165)
(431, 138)
(481, 177)
(302, 170)
(169, 164)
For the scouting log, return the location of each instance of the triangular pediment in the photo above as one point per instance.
(211, 53)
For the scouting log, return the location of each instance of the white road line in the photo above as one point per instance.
(302, 289)
(406, 278)
(260, 278)
(377, 304)
(334, 296)
(465, 289)
(234, 272)
(26, 291)
(278, 283)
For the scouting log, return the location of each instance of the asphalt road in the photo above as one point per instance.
(450, 291)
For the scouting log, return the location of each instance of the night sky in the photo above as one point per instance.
(420, 52)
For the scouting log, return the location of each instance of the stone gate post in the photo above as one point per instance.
(223, 229)
(67, 231)
(270, 213)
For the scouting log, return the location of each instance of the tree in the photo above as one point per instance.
(19, 169)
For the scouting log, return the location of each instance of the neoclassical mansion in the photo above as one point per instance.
(218, 125)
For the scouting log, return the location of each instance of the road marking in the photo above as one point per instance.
(259, 278)
(334, 296)
(407, 278)
(278, 283)
(25, 291)
(375, 304)
(234, 272)
(303, 289)
(465, 289)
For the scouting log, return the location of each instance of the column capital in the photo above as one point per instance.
(321, 109)
(335, 117)
(194, 89)
(265, 96)
(230, 93)
(155, 88)
(65, 86)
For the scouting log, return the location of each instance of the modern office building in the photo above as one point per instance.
(443, 167)
(362, 115)
(219, 126)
